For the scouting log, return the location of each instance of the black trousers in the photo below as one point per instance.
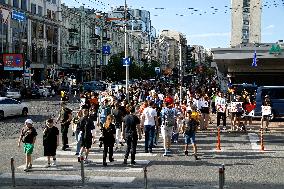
(131, 142)
(64, 131)
(221, 115)
(108, 148)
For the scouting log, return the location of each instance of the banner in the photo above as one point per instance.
(5, 14)
(13, 62)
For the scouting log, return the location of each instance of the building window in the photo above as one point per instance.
(24, 4)
(16, 3)
(33, 8)
(40, 11)
(48, 13)
(2, 2)
(54, 1)
(53, 15)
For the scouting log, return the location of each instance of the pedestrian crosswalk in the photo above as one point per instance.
(68, 169)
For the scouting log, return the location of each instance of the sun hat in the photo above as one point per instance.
(29, 121)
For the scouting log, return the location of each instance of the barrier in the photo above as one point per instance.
(145, 178)
(218, 146)
(13, 172)
(221, 176)
(82, 169)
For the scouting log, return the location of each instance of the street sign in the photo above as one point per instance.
(20, 16)
(126, 61)
(106, 50)
(157, 69)
(275, 49)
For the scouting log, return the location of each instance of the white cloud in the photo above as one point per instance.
(205, 35)
(269, 27)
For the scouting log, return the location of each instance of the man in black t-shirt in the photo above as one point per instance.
(65, 116)
(130, 125)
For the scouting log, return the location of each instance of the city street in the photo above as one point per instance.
(245, 166)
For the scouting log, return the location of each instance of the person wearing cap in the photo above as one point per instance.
(28, 137)
(189, 129)
(65, 116)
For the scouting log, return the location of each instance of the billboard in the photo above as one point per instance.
(13, 62)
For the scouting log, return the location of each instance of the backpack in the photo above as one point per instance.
(169, 117)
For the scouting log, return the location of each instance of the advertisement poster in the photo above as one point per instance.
(13, 62)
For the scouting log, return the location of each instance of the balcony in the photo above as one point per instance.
(95, 36)
(73, 31)
(106, 39)
(73, 48)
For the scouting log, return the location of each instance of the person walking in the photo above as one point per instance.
(118, 118)
(204, 118)
(85, 127)
(75, 122)
(28, 137)
(50, 141)
(149, 121)
(168, 115)
(65, 116)
(266, 112)
(189, 130)
(221, 108)
(130, 127)
(108, 139)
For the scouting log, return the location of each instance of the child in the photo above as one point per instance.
(189, 130)
(50, 141)
(28, 137)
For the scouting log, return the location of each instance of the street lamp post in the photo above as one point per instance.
(125, 51)
(180, 73)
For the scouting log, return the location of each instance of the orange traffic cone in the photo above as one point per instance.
(218, 146)
(261, 140)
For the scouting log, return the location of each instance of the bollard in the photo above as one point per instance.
(145, 178)
(13, 172)
(261, 140)
(223, 167)
(82, 170)
(218, 146)
(221, 178)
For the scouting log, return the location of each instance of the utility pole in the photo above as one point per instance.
(180, 73)
(125, 51)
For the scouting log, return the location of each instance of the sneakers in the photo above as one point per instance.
(133, 163)
(30, 166)
(26, 169)
(104, 164)
(186, 153)
(165, 154)
(53, 163)
(195, 157)
(47, 165)
(121, 143)
(111, 160)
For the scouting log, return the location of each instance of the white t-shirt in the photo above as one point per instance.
(150, 115)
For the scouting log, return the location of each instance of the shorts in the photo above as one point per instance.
(166, 131)
(28, 148)
(189, 139)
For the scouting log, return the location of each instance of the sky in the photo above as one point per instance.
(207, 22)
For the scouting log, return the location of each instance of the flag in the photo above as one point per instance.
(254, 61)
(5, 14)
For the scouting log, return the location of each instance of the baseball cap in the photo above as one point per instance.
(29, 121)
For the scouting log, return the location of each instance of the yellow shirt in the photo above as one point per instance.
(195, 115)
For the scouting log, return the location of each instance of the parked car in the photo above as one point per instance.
(276, 95)
(93, 86)
(44, 91)
(12, 107)
(14, 93)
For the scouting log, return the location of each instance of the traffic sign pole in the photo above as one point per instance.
(125, 51)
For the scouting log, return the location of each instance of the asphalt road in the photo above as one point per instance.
(245, 166)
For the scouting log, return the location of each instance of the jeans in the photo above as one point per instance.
(79, 141)
(131, 141)
(149, 137)
(64, 131)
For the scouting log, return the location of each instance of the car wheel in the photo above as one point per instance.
(1, 115)
(25, 112)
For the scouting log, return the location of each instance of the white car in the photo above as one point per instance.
(12, 107)
(13, 93)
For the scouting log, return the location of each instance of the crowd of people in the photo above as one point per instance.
(150, 109)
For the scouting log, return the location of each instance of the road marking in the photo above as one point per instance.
(74, 160)
(77, 178)
(114, 169)
(51, 168)
(253, 138)
(67, 153)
